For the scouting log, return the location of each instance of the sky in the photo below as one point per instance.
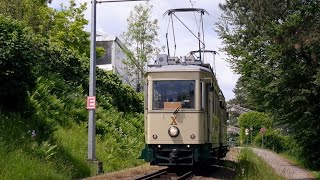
(111, 19)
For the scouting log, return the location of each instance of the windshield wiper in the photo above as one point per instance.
(176, 112)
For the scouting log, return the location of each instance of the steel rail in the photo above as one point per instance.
(169, 174)
(153, 175)
(186, 175)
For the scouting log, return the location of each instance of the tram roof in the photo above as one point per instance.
(178, 68)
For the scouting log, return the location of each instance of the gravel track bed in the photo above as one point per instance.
(128, 174)
(217, 172)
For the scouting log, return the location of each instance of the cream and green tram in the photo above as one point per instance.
(185, 115)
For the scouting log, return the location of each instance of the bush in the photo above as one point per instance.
(271, 140)
(115, 149)
(50, 132)
(291, 146)
(120, 139)
(256, 120)
(123, 97)
(16, 62)
(63, 62)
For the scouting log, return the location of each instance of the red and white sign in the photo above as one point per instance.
(91, 102)
(263, 130)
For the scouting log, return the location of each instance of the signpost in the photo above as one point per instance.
(247, 133)
(251, 129)
(262, 131)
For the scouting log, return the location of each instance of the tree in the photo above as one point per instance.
(241, 96)
(64, 26)
(275, 49)
(33, 12)
(67, 28)
(141, 39)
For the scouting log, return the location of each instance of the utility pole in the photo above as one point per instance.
(92, 86)
(92, 80)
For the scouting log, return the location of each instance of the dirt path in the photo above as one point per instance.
(282, 166)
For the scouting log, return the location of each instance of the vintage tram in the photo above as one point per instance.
(185, 114)
(185, 111)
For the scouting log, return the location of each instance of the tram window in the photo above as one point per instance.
(173, 94)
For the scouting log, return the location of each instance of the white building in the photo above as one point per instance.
(114, 56)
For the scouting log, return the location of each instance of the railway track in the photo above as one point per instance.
(169, 174)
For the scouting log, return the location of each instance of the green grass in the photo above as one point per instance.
(66, 157)
(17, 160)
(250, 166)
(59, 149)
(72, 143)
(20, 165)
(291, 159)
(115, 155)
(297, 162)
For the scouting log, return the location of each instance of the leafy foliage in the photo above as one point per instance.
(33, 12)
(275, 49)
(45, 150)
(66, 28)
(44, 68)
(241, 96)
(271, 140)
(16, 61)
(111, 90)
(141, 38)
(254, 120)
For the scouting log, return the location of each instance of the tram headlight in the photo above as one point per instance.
(173, 131)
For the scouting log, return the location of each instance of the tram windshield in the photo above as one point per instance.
(173, 94)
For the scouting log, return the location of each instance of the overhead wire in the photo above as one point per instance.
(199, 29)
(195, 18)
(194, 14)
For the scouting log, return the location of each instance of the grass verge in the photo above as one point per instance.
(20, 165)
(297, 162)
(250, 166)
(114, 155)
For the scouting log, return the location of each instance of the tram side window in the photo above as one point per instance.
(173, 94)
